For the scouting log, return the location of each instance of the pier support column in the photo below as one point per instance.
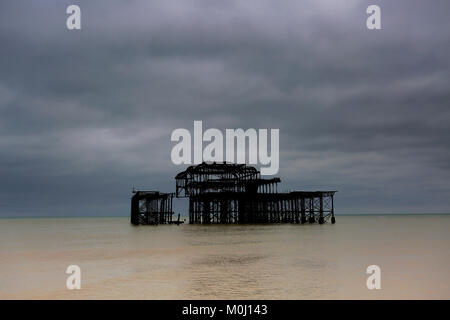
(302, 211)
(224, 211)
(191, 211)
(206, 212)
(321, 219)
(135, 210)
(333, 219)
(312, 218)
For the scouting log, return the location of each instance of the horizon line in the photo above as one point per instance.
(127, 216)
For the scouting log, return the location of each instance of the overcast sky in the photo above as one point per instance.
(85, 115)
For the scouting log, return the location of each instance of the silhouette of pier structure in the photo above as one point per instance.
(236, 193)
(152, 207)
(232, 193)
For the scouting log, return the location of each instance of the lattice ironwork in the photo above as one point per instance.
(236, 193)
(151, 207)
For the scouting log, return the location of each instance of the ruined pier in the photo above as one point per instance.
(232, 193)
(151, 207)
(236, 193)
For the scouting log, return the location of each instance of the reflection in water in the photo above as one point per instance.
(285, 261)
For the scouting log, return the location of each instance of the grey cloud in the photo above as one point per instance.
(86, 115)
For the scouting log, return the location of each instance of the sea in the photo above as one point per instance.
(256, 261)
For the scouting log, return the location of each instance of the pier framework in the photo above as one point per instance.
(151, 207)
(236, 193)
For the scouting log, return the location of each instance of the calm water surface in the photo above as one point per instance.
(119, 261)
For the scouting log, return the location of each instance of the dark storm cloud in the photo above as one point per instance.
(84, 115)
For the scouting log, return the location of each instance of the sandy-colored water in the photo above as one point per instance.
(119, 261)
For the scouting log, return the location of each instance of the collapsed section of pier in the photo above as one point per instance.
(236, 193)
(151, 207)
